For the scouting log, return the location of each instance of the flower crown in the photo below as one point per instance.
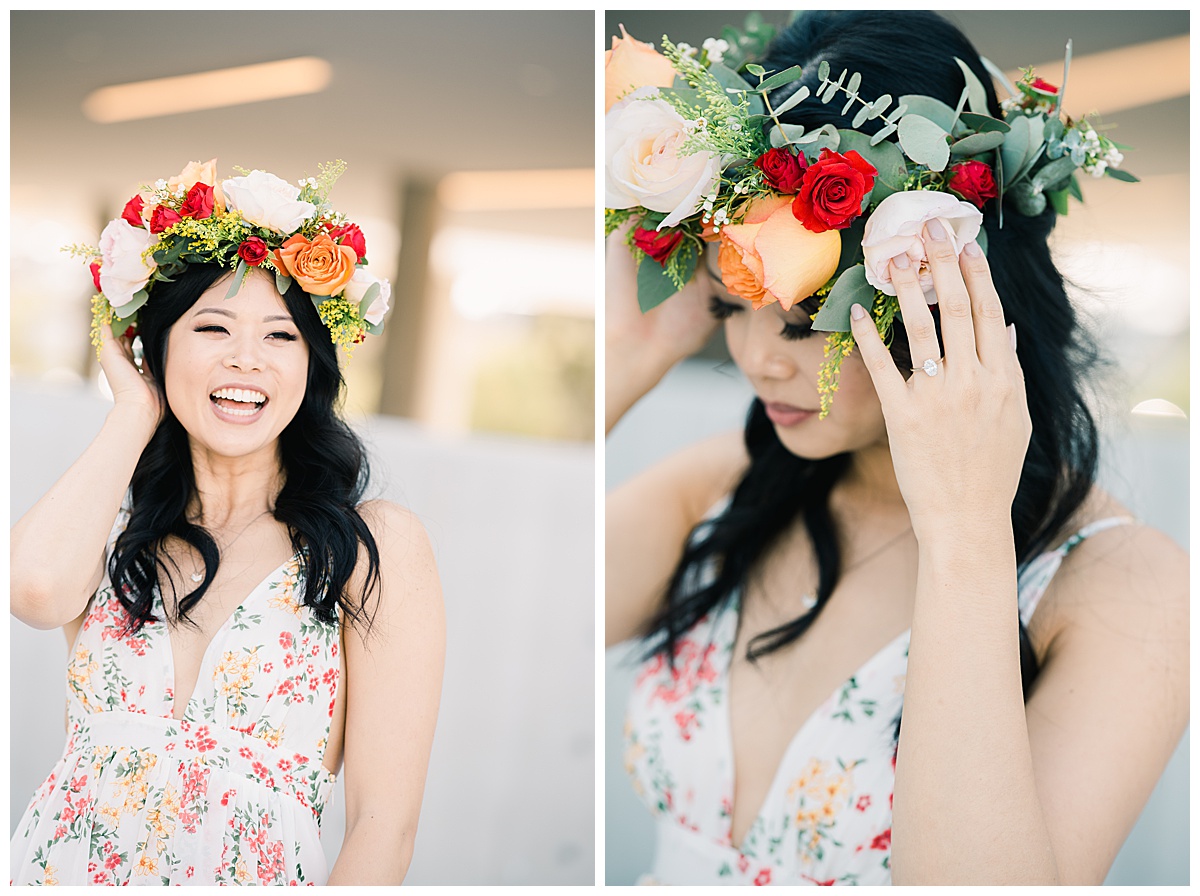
(253, 220)
(695, 153)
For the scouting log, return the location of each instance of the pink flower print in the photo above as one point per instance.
(651, 669)
(77, 784)
(113, 860)
(91, 867)
(60, 832)
(283, 765)
(743, 863)
(686, 720)
(285, 640)
(333, 649)
(98, 877)
(300, 759)
(330, 677)
(762, 878)
(268, 666)
(261, 770)
(245, 752)
(864, 801)
(883, 841)
(191, 870)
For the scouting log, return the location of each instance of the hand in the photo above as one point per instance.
(130, 387)
(958, 439)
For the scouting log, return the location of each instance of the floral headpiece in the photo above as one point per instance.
(696, 153)
(254, 220)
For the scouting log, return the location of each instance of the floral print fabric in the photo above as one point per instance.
(827, 817)
(231, 793)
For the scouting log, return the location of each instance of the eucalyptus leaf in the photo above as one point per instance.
(896, 114)
(755, 69)
(974, 144)
(1052, 173)
(842, 78)
(927, 107)
(729, 79)
(882, 134)
(851, 288)
(855, 80)
(1016, 144)
(1062, 90)
(880, 104)
(823, 70)
(794, 100)
(982, 123)
(962, 101)
(1073, 188)
(825, 137)
(1054, 129)
(369, 296)
(239, 277)
(1027, 198)
(1118, 174)
(924, 141)
(787, 76)
(891, 172)
(119, 325)
(981, 238)
(135, 302)
(1059, 199)
(860, 117)
(997, 73)
(373, 329)
(830, 91)
(976, 95)
(654, 285)
(849, 102)
(787, 133)
(282, 282)
(852, 237)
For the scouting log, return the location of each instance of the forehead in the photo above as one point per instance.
(256, 296)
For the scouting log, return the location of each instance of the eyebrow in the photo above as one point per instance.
(227, 313)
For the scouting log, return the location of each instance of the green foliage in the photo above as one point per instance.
(657, 283)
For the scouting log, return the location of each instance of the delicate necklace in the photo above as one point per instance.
(198, 575)
(808, 601)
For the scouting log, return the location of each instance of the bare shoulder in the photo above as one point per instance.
(407, 567)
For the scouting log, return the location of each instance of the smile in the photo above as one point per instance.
(238, 402)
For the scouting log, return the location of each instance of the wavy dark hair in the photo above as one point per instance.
(324, 464)
(900, 53)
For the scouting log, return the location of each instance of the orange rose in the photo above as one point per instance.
(197, 173)
(772, 257)
(321, 266)
(631, 64)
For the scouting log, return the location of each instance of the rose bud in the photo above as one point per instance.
(833, 190)
(350, 235)
(973, 181)
(94, 267)
(163, 218)
(782, 171)
(199, 202)
(133, 211)
(253, 251)
(657, 244)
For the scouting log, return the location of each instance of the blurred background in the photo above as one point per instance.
(1126, 251)
(469, 140)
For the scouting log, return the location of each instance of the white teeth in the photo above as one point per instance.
(247, 412)
(247, 396)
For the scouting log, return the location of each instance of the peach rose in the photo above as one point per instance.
(197, 173)
(631, 64)
(320, 266)
(772, 257)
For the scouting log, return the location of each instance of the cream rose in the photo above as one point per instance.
(895, 229)
(643, 166)
(124, 266)
(199, 173)
(357, 288)
(267, 201)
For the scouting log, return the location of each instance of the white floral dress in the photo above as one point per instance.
(827, 816)
(232, 793)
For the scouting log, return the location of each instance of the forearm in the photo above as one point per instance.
(966, 808)
(630, 371)
(56, 545)
(374, 851)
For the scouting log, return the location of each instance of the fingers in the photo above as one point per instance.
(993, 341)
(954, 302)
(887, 379)
(918, 322)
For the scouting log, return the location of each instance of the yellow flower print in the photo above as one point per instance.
(146, 866)
(48, 879)
(271, 736)
(243, 873)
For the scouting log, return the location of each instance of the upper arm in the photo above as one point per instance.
(1111, 701)
(394, 682)
(647, 522)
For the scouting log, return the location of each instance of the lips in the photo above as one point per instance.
(787, 415)
(238, 403)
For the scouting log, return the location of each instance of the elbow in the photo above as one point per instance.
(33, 602)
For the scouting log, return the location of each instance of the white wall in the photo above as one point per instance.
(510, 794)
(1145, 465)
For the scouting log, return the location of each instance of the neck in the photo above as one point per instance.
(871, 479)
(229, 490)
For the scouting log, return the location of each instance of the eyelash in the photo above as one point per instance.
(278, 334)
(723, 311)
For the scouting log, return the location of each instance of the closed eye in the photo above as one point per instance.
(796, 331)
(283, 335)
(722, 310)
(211, 328)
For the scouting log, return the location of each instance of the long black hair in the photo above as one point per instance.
(324, 464)
(900, 53)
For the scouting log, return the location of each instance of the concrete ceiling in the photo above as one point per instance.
(412, 93)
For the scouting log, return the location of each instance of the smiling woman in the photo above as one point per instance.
(241, 621)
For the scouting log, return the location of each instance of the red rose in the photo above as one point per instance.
(350, 235)
(833, 189)
(973, 181)
(253, 251)
(163, 218)
(198, 203)
(94, 267)
(782, 171)
(657, 244)
(1044, 86)
(133, 211)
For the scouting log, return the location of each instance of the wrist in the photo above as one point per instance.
(134, 420)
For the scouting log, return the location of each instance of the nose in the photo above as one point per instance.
(760, 351)
(245, 354)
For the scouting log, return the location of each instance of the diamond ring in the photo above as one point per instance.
(930, 367)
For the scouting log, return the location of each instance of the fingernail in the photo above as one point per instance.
(1012, 335)
(901, 261)
(935, 230)
(972, 248)
(857, 312)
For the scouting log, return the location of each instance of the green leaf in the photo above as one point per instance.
(976, 96)
(787, 76)
(927, 107)
(851, 288)
(891, 172)
(855, 80)
(369, 296)
(654, 284)
(880, 104)
(823, 70)
(1050, 174)
(860, 117)
(282, 282)
(756, 70)
(1118, 174)
(1073, 188)
(1059, 199)
(997, 74)
(136, 302)
(1016, 144)
(983, 123)
(1027, 198)
(787, 133)
(981, 238)
(974, 144)
(794, 100)
(852, 237)
(882, 134)
(239, 277)
(924, 141)
(729, 79)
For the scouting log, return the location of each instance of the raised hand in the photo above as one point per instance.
(130, 386)
(958, 438)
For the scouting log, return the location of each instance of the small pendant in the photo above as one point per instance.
(197, 577)
(808, 601)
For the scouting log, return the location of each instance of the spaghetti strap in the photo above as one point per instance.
(1035, 576)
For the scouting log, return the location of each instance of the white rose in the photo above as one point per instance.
(642, 138)
(267, 201)
(357, 288)
(123, 268)
(895, 229)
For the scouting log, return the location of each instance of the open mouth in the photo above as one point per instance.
(238, 402)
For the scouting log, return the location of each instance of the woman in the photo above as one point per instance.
(929, 537)
(241, 623)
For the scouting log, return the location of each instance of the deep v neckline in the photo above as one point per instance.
(218, 635)
(796, 738)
